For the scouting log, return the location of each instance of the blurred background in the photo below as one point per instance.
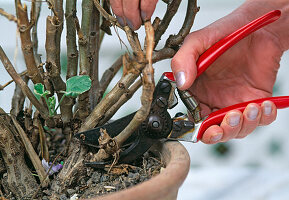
(252, 168)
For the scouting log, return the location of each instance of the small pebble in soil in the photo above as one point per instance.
(70, 192)
(63, 197)
(96, 177)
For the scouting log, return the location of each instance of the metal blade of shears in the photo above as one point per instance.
(90, 137)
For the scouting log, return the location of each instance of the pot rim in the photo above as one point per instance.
(165, 184)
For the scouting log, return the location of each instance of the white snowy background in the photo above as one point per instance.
(252, 168)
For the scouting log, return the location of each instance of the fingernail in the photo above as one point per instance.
(233, 119)
(120, 20)
(180, 79)
(267, 108)
(216, 137)
(143, 15)
(129, 23)
(252, 112)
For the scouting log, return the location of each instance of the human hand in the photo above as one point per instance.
(245, 72)
(132, 13)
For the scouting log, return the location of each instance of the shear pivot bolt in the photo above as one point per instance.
(155, 124)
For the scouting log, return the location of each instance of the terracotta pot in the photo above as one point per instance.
(163, 186)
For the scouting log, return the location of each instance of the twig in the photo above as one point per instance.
(148, 88)
(43, 143)
(35, 13)
(123, 99)
(164, 53)
(107, 16)
(18, 98)
(87, 6)
(72, 53)
(25, 89)
(52, 46)
(27, 46)
(176, 40)
(135, 44)
(170, 13)
(94, 47)
(84, 59)
(32, 154)
(2, 87)
(9, 16)
(52, 8)
(107, 77)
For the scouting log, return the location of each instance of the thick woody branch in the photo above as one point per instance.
(53, 37)
(20, 179)
(109, 100)
(164, 53)
(84, 43)
(107, 77)
(32, 154)
(122, 100)
(84, 57)
(25, 89)
(72, 53)
(35, 13)
(172, 8)
(27, 46)
(148, 88)
(94, 55)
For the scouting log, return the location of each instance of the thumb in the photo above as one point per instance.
(184, 62)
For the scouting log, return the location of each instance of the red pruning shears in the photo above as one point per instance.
(159, 125)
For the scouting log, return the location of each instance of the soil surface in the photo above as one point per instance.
(94, 182)
(98, 182)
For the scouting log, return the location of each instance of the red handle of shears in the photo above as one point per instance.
(215, 51)
(215, 118)
(209, 56)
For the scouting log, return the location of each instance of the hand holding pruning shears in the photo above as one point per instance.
(160, 126)
(246, 72)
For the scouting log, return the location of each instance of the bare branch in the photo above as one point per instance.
(148, 88)
(18, 98)
(94, 45)
(123, 99)
(35, 12)
(175, 40)
(32, 154)
(84, 58)
(107, 16)
(135, 44)
(107, 77)
(27, 46)
(25, 89)
(170, 13)
(9, 16)
(72, 53)
(20, 180)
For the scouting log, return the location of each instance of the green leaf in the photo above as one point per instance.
(52, 102)
(77, 85)
(39, 89)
